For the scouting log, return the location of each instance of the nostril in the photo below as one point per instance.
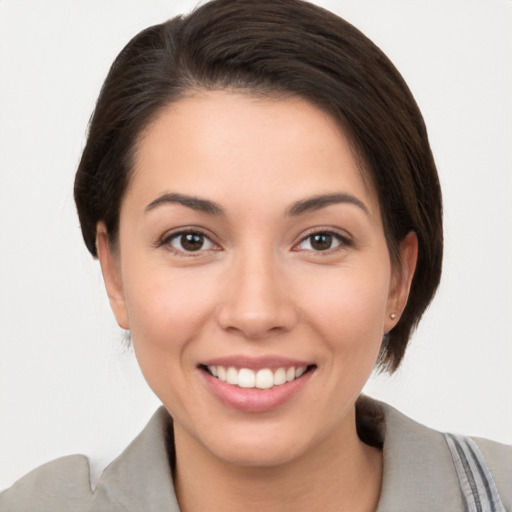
(256, 321)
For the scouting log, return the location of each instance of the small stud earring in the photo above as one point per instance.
(393, 316)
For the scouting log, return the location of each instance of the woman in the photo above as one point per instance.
(259, 189)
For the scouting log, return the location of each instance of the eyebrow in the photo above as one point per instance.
(321, 201)
(195, 203)
(298, 208)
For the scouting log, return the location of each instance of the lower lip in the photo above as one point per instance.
(254, 399)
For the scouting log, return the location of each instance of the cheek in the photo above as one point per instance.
(165, 305)
(166, 310)
(350, 310)
(166, 313)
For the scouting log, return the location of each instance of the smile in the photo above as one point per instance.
(256, 385)
(264, 378)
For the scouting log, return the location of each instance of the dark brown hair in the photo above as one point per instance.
(275, 48)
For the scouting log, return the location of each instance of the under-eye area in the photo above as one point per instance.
(264, 378)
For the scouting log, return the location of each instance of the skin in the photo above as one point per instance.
(257, 287)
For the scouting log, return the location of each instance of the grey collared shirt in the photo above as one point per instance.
(419, 474)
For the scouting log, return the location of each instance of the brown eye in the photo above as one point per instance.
(322, 241)
(190, 242)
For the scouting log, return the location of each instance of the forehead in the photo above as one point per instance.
(219, 144)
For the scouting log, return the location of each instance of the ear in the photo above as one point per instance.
(110, 268)
(401, 280)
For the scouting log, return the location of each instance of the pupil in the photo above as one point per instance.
(192, 241)
(321, 241)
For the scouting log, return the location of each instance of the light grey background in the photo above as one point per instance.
(66, 383)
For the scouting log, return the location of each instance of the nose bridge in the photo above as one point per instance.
(256, 303)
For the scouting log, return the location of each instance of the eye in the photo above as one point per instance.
(190, 241)
(322, 241)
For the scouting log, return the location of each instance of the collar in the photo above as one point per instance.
(418, 470)
(141, 477)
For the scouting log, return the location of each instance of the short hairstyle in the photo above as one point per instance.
(275, 48)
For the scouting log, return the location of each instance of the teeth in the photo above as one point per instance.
(279, 377)
(232, 376)
(246, 378)
(262, 379)
(300, 371)
(221, 373)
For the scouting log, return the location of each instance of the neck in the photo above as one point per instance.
(341, 473)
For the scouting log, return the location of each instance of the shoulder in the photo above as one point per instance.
(62, 484)
(498, 457)
(139, 479)
(420, 473)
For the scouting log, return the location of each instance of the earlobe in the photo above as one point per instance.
(110, 269)
(402, 279)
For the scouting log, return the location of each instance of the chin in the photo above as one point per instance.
(258, 455)
(259, 446)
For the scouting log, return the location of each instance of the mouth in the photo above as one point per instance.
(263, 378)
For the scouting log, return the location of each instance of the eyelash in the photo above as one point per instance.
(343, 241)
(166, 240)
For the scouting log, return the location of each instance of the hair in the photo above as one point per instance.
(275, 48)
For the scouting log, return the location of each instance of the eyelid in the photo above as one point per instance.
(344, 239)
(168, 236)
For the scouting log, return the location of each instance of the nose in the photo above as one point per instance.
(256, 303)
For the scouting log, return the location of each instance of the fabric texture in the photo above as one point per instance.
(419, 474)
(479, 493)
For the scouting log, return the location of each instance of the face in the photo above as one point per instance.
(253, 273)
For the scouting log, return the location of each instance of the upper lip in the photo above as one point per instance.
(255, 363)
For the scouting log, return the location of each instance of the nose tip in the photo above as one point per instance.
(256, 305)
(251, 325)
